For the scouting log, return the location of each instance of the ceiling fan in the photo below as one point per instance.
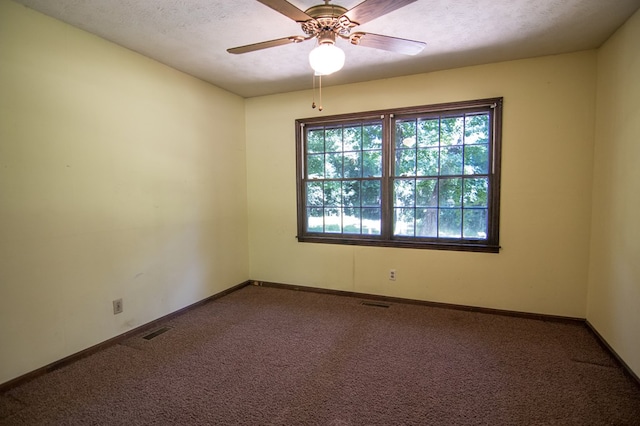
(327, 21)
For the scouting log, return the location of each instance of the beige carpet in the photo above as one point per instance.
(266, 356)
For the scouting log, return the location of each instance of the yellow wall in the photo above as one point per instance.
(549, 108)
(119, 177)
(614, 278)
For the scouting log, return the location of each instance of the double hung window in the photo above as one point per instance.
(425, 177)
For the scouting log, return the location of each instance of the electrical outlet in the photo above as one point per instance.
(392, 274)
(117, 306)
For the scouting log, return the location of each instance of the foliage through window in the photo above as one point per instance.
(426, 177)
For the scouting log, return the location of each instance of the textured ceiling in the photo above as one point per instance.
(193, 35)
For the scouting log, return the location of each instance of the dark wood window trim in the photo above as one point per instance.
(387, 118)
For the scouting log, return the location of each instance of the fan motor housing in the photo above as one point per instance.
(327, 17)
(325, 11)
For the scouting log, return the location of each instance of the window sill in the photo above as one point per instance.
(479, 247)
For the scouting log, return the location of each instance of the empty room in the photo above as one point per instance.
(320, 212)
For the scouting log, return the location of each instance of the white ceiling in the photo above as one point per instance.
(193, 35)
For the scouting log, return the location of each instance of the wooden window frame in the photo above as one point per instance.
(386, 237)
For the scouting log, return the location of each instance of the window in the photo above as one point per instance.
(424, 177)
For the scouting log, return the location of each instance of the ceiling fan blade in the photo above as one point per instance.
(393, 44)
(287, 9)
(267, 44)
(372, 9)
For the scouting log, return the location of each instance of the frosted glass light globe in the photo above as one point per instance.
(326, 59)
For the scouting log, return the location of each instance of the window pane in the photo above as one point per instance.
(451, 160)
(451, 129)
(405, 134)
(426, 222)
(351, 193)
(315, 196)
(332, 194)
(315, 166)
(404, 193)
(332, 220)
(450, 192)
(333, 140)
(450, 223)
(371, 219)
(372, 163)
(475, 223)
(315, 141)
(428, 162)
(476, 129)
(476, 159)
(333, 165)
(371, 193)
(426, 193)
(372, 136)
(404, 222)
(351, 221)
(428, 132)
(352, 164)
(405, 162)
(352, 138)
(476, 192)
(315, 218)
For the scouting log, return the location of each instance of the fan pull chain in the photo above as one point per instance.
(320, 91)
(313, 96)
(313, 102)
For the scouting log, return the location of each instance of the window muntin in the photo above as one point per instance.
(423, 177)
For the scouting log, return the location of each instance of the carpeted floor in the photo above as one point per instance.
(266, 356)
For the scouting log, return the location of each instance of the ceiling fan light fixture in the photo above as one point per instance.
(326, 59)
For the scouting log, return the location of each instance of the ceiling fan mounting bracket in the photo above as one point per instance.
(355, 38)
(298, 39)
